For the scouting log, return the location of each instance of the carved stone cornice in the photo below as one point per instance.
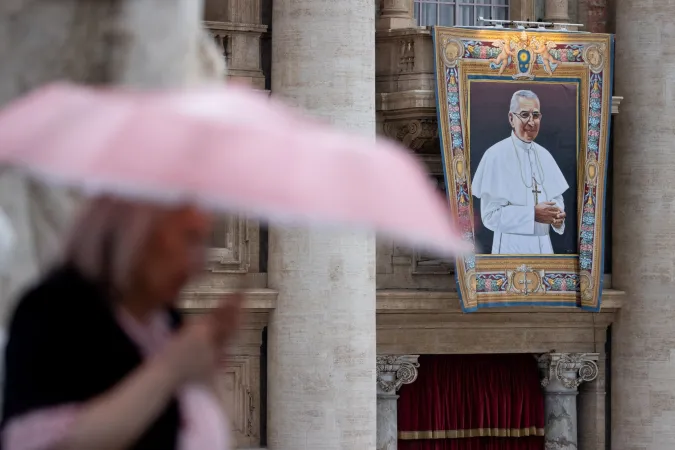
(393, 371)
(565, 372)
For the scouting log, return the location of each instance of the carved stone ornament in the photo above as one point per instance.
(394, 371)
(420, 135)
(568, 369)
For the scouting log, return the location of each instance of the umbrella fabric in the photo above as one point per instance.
(226, 148)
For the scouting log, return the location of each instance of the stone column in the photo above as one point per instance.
(395, 14)
(563, 373)
(321, 373)
(643, 341)
(392, 373)
(557, 11)
(595, 14)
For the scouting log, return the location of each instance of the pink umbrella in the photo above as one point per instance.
(227, 149)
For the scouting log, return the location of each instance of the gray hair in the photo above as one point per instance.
(518, 95)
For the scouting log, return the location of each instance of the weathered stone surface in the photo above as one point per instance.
(561, 421)
(322, 386)
(387, 426)
(643, 361)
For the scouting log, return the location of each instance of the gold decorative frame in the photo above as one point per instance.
(533, 56)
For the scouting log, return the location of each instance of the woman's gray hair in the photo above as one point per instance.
(106, 238)
(518, 95)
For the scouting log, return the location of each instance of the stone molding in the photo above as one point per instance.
(616, 102)
(389, 301)
(393, 371)
(200, 299)
(568, 370)
(236, 248)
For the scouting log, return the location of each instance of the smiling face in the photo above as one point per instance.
(526, 120)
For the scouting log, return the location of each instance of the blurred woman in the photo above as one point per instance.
(97, 356)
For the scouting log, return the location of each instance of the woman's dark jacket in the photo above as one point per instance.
(65, 346)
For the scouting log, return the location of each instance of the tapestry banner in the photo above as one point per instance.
(524, 120)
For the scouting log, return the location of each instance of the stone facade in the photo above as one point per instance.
(417, 306)
(237, 29)
(643, 366)
(322, 348)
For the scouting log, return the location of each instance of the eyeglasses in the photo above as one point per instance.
(526, 115)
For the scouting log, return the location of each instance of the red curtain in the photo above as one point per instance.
(473, 402)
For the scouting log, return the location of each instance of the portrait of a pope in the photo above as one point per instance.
(520, 185)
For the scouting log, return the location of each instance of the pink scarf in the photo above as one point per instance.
(204, 425)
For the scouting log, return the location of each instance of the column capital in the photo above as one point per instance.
(565, 372)
(393, 371)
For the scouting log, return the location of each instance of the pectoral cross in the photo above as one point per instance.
(535, 191)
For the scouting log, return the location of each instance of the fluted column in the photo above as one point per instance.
(643, 254)
(557, 11)
(392, 373)
(321, 348)
(563, 373)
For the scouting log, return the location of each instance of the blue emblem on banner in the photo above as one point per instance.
(523, 61)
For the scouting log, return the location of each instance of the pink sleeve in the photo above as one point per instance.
(44, 429)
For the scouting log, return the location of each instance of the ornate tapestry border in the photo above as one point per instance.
(555, 280)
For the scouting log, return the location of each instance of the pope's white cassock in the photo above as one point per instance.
(506, 181)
